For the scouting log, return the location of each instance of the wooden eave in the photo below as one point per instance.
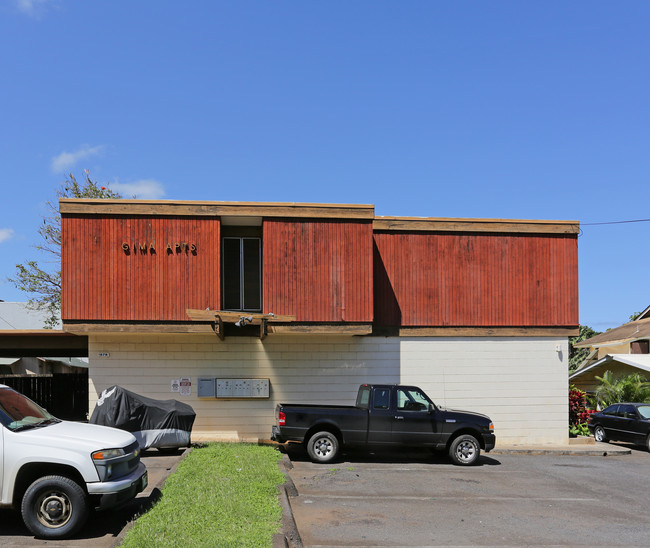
(417, 224)
(85, 206)
(215, 326)
(559, 331)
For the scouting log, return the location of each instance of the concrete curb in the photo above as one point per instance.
(592, 450)
(290, 537)
(158, 487)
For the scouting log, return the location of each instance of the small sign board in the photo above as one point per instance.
(185, 386)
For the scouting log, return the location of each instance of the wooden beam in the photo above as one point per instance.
(232, 317)
(152, 328)
(86, 206)
(476, 331)
(400, 224)
(263, 330)
(357, 329)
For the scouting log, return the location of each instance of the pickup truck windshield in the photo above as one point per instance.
(20, 413)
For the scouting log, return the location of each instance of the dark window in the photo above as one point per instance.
(611, 410)
(627, 411)
(382, 398)
(363, 398)
(242, 274)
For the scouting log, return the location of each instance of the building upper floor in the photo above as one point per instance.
(129, 264)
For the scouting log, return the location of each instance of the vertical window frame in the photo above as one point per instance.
(242, 284)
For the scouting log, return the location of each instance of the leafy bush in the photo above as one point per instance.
(579, 413)
(576, 430)
(626, 388)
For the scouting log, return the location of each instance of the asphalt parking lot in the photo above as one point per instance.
(415, 499)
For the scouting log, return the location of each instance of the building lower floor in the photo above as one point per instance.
(520, 382)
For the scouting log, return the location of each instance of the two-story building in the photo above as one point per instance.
(234, 307)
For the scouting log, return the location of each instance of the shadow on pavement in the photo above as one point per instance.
(100, 524)
(297, 453)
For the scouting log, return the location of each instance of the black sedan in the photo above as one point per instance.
(622, 422)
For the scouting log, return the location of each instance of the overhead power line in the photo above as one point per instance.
(616, 222)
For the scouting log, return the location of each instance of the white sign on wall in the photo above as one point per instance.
(185, 386)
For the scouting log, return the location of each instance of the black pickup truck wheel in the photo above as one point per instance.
(465, 450)
(323, 447)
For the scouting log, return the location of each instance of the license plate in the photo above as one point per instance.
(145, 481)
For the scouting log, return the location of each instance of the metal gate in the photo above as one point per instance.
(65, 395)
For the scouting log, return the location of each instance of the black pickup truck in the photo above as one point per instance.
(385, 415)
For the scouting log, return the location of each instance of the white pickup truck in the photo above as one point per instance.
(56, 471)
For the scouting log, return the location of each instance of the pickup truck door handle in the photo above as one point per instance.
(399, 418)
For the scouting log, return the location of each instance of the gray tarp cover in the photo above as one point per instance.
(154, 423)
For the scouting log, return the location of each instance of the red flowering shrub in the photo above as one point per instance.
(579, 413)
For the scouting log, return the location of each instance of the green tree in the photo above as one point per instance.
(612, 389)
(577, 355)
(42, 280)
(635, 316)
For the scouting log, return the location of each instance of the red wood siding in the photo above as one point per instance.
(320, 271)
(102, 282)
(442, 279)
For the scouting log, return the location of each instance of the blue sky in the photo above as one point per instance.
(523, 110)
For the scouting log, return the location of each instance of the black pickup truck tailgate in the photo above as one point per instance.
(348, 421)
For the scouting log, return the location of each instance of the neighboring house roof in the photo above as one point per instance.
(20, 316)
(640, 361)
(632, 331)
(645, 314)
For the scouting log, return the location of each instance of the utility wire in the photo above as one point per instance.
(616, 222)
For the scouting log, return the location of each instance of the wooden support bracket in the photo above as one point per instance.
(218, 328)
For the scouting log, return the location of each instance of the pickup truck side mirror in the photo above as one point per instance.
(431, 409)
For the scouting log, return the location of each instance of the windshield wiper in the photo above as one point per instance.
(44, 422)
(24, 427)
(47, 422)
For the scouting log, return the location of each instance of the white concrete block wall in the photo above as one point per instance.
(520, 383)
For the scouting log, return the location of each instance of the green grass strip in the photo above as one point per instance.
(222, 494)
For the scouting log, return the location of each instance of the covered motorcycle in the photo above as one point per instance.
(162, 424)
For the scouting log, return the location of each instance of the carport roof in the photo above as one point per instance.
(18, 343)
(640, 361)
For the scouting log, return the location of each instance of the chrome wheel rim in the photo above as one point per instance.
(323, 447)
(599, 434)
(466, 451)
(53, 509)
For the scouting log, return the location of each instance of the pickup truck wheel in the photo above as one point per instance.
(465, 450)
(54, 507)
(323, 447)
